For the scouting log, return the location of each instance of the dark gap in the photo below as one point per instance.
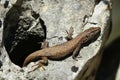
(10, 25)
(97, 1)
(6, 4)
(84, 18)
(7, 37)
(22, 50)
(43, 26)
(24, 46)
(34, 14)
(1, 64)
(0, 23)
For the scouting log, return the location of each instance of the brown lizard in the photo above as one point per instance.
(62, 50)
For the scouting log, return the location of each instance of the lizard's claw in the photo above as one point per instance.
(39, 65)
(69, 33)
(42, 67)
(76, 58)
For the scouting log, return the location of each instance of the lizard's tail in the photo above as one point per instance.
(30, 58)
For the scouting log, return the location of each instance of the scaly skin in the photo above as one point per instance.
(60, 51)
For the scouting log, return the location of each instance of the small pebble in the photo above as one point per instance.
(74, 68)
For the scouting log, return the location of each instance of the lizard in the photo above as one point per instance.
(60, 51)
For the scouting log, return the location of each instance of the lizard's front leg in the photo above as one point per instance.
(69, 34)
(69, 37)
(76, 52)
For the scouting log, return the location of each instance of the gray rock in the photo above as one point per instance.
(21, 29)
(40, 19)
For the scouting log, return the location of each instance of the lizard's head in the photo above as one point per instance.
(94, 31)
(91, 33)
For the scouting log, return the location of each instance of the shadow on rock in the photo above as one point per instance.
(110, 61)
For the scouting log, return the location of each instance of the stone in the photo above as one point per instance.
(29, 22)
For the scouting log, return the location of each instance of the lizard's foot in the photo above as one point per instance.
(69, 34)
(40, 64)
(37, 66)
(76, 58)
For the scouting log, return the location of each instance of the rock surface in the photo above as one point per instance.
(51, 18)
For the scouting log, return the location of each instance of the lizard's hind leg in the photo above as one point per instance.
(41, 63)
(44, 60)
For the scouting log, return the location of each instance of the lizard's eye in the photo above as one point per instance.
(85, 39)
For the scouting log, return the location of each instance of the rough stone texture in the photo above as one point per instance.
(57, 16)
